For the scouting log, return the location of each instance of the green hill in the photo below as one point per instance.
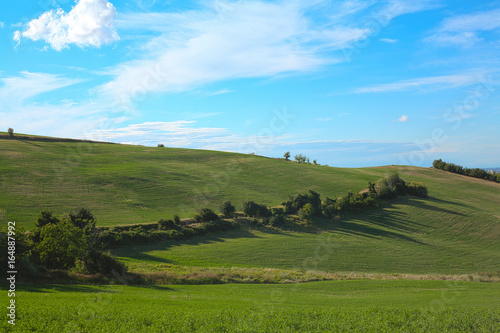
(455, 230)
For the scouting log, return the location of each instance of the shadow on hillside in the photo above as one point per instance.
(139, 252)
(446, 202)
(385, 221)
(353, 228)
(422, 203)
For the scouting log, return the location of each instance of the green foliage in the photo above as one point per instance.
(11, 132)
(59, 246)
(46, 217)
(306, 212)
(167, 224)
(227, 209)
(295, 203)
(417, 188)
(385, 189)
(161, 145)
(348, 203)
(83, 219)
(206, 215)
(458, 169)
(287, 155)
(253, 209)
(177, 219)
(300, 158)
(103, 263)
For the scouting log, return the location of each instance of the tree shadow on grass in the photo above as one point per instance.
(139, 252)
(423, 203)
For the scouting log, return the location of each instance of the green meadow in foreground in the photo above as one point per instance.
(334, 306)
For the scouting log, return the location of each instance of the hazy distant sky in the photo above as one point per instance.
(349, 83)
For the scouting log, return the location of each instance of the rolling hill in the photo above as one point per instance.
(454, 231)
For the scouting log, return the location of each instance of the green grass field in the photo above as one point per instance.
(335, 306)
(455, 231)
(125, 184)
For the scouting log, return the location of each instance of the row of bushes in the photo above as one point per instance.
(458, 169)
(145, 233)
(310, 204)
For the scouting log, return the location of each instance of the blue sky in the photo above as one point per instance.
(349, 83)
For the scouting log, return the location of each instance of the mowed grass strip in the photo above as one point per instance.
(341, 306)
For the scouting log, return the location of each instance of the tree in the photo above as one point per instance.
(253, 209)
(60, 245)
(227, 209)
(161, 145)
(287, 155)
(300, 158)
(45, 218)
(206, 215)
(83, 218)
(11, 132)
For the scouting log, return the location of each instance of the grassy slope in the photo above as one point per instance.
(456, 230)
(336, 306)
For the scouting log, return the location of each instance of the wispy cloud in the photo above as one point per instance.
(244, 40)
(322, 120)
(464, 30)
(89, 23)
(433, 83)
(389, 40)
(404, 118)
(16, 89)
(181, 133)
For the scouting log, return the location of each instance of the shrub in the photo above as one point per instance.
(384, 189)
(306, 212)
(59, 245)
(82, 218)
(11, 132)
(287, 155)
(104, 263)
(300, 158)
(295, 203)
(277, 212)
(417, 188)
(206, 215)
(45, 218)
(227, 209)
(277, 220)
(177, 219)
(161, 145)
(253, 209)
(167, 224)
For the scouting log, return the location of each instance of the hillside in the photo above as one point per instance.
(455, 230)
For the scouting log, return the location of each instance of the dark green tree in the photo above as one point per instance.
(227, 209)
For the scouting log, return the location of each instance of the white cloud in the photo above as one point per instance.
(242, 40)
(464, 30)
(16, 89)
(403, 118)
(89, 23)
(396, 8)
(2, 25)
(389, 40)
(427, 84)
